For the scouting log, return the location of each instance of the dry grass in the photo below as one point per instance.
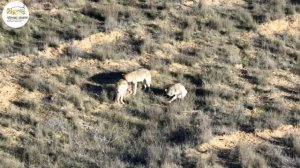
(296, 144)
(59, 109)
(250, 158)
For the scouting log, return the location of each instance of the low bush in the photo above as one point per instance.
(27, 104)
(6, 160)
(296, 144)
(107, 52)
(249, 158)
(74, 51)
(35, 82)
(245, 20)
(185, 60)
(93, 12)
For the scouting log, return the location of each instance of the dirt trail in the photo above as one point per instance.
(232, 140)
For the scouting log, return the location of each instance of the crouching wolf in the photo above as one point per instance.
(140, 75)
(176, 91)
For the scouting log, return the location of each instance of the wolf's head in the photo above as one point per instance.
(169, 92)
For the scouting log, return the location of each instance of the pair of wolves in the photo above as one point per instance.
(143, 75)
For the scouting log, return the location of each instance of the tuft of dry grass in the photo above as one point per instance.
(249, 158)
(6, 160)
(296, 144)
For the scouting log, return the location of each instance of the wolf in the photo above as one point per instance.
(176, 91)
(140, 75)
(121, 89)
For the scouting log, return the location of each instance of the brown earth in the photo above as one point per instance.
(232, 140)
(288, 25)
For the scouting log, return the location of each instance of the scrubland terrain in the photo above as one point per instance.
(239, 60)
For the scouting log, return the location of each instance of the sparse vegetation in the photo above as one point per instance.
(57, 107)
(250, 158)
(296, 144)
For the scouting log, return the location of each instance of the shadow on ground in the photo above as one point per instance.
(229, 158)
(288, 90)
(106, 78)
(157, 91)
(102, 85)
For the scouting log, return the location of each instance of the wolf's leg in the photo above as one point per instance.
(180, 96)
(148, 83)
(135, 87)
(122, 99)
(145, 85)
(174, 98)
(132, 88)
(118, 98)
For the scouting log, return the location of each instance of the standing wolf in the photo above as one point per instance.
(176, 91)
(140, 75)
(121, 89)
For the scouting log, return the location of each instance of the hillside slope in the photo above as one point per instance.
(239, 61)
